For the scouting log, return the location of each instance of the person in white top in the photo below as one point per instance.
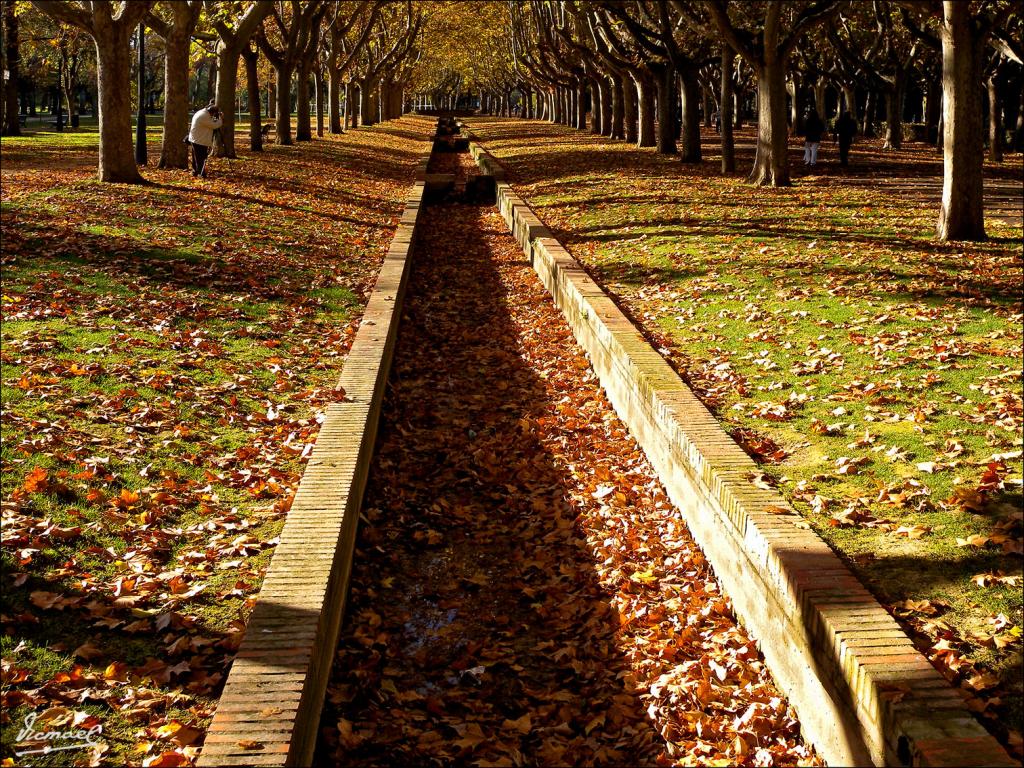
(204, 123)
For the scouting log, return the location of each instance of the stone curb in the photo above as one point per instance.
(864, 694)
(269, 712)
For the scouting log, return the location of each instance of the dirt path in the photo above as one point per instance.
(523, 591)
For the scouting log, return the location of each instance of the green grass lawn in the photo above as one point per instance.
(167, 350)
(874, 373)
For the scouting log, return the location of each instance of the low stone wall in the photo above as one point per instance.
(864, 694)
(269, 712)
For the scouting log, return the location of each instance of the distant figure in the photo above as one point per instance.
(846, 127)
(813, 130)
(204, 123)
(717, 117)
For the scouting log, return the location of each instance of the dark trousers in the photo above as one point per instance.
(844, 150)
(199, 155)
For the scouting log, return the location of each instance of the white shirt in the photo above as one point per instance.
(203, 125)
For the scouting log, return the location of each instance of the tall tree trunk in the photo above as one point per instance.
(667, 130)
(597, 99)
(796, 105)
(117, 150)
(227, 83)
(303, 126)
(630, 110)
(71, 103)
(894, 113)
(272, 100)
(350, 113)
(174, 150)
(725, 115)
(1018, 132)
(318, 83)
(251, 57)
(645, 111)
(868, 123)
(283, 95)
(820, 87)
(212, 82)
(334, 100)
(771, 161)
(689, 93)
(850, 100)
(365, 103)
(740, 99)
(932, 109)
(11, 126)
(962, 214)
(580, 102)
(616, 128)
(995, 119)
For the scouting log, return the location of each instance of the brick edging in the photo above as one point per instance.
(269, 712)
(864, 694)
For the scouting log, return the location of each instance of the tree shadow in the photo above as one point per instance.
(474, 600)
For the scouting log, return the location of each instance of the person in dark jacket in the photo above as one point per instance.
(846, 127)
(814, 128)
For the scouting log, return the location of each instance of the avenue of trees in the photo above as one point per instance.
(649, 72)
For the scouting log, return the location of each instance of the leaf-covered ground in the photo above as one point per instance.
(875, 373)
(524, 593)
(167, 350)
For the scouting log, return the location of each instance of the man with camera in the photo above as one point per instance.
(204, 123)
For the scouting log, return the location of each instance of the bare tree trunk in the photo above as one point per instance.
(616, 127)
(725, 114)
(771, 162)
(11, 126)
(334, 100)
(174, 150)
(283, 95)
(597, 99)
(272, 100)
(796, 105)
(227, 83)
(707, 102)
(645, 112)
(689, 92)
(252, 82)
(604, 88)
(962, 214)
(318, 83)
(365, 103)
(303, 126)
(117, 150)
(630, 111)
(1018, 132)
(995, 119)
(932, 109)
(665, 89)
(850, 99)
(820, 87)
(868, 126)
(580, 101)
(894, 113)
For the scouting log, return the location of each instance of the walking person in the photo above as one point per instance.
(813, 130)
(204, 123)
(845, 129)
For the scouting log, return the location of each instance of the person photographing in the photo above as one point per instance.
(200, 136)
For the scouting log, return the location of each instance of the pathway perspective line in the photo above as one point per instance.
(523, 591)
